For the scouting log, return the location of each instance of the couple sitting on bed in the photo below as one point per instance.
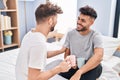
(82, 42)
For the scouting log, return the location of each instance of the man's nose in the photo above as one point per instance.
(79, 21)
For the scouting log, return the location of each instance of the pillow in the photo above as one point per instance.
(112, 61)
(110, 45)
(117, 67)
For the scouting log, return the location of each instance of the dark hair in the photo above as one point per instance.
(45, 10)
(87, 10)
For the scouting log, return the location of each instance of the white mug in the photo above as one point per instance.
(80, 62)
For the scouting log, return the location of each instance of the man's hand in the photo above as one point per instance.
(72, 60)
(64, 66)
(76, 76)
(74, 67)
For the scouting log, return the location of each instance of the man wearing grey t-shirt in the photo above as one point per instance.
(86, 45)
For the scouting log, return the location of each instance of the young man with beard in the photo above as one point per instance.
(86, 44)
(33, 52)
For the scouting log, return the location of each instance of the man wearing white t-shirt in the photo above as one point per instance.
(33, 52)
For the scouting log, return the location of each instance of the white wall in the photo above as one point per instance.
(21, 19)
(106, 12)
(65, 21)
(104, 23)
(35, 4)
(27, 19)
(68, 18)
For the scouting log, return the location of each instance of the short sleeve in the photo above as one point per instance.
(37, 57)
(97, 41)
(67, 41)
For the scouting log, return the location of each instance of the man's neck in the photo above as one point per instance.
(84, 32)
(42, 29)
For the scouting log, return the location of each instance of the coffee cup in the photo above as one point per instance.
(80, 62)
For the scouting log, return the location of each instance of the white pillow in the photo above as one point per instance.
(110, 45)
(113, 61)
(117, 67)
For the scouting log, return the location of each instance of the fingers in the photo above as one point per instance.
(71, 59)
(74, 67)
(67, 58)
(68, 62)
(65, 66)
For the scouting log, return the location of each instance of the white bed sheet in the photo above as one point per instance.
(8, 61)
(7, 64)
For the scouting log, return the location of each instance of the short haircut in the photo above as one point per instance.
(87, 10)
(45, 10)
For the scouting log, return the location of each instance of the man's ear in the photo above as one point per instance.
(92, 21)
(50, 21)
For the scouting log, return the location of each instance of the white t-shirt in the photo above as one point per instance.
(33, 54)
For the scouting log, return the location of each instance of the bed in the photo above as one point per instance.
(8, 60)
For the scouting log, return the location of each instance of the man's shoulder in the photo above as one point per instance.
(96, 33)
(72, 31)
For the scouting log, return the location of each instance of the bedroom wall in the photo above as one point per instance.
(106, 13)
(67, 20)
(36, 3)
(104, 23)
(27, 21)
(21, 19)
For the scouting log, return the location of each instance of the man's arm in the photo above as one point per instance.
(93, 62)
(57, 52)
(37, 74)
(67, 52)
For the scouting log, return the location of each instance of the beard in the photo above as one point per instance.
(82, 29)
(52, 27)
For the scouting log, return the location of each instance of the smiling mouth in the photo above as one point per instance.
(79, 26)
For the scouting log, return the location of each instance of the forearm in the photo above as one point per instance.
(93, 62)
(45, 75)
(67, 53)
(54, 53)
(37, 74)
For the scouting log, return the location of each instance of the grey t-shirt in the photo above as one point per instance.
(83, 46)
